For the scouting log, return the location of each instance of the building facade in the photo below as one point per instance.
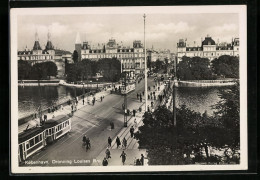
(131, 58)
(208, 49)
(160, 55)
(49, 53)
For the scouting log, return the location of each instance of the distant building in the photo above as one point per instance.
(37, 54)
(208, 49)
(131, 58)
(160, 55)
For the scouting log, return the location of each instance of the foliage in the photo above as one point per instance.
(194, 68)
(38, 71)
(85, 69)
(75, 56)
(228, 113)
(227, 66)
(24, 69)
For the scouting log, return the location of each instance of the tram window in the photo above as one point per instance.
(40, 137)
(31, 142)
(37, 139)
(27, 145)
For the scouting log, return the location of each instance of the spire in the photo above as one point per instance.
(36, 36)
(49, 35)
(78, 39)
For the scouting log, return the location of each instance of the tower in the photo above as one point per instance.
(49, 47)
(36, 47)
(78, 46)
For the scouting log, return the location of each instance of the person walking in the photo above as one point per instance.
(84, 139)
(134, 111)
(44, 118)
(135, 123)
(88, 144)
(105, 162)
(123, 156)
(118, 143)
(142, 159)
(143, 93)
(124, 142)
(132, 131)
(83, 101)
(108, 154)
(109, 140)
(101, 98)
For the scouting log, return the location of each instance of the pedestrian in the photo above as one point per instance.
(45, 117)
(105, 162)
(143, 93)
(84, 139)
(142, 159)
(141, 99)
(88, 144)
(148, 96)
(112, 125)
(138, 163)
(134, 111)
(109, 140)
(118, 143)
(152, 104)
(72, 108)
(123, 156)
(132, 131)
(158, 88)
(124, 143)
(135, 123)
(83, 101)
(108, 154)
(101, 98)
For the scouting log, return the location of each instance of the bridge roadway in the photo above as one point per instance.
(94, 121)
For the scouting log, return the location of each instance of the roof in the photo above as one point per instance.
(29, 133)
(37, 46)
(54, 121)
(49, 46)
(61, 52)
(208, 41)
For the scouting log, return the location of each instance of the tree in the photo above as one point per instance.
(110, 69)
(75, 56)
(24, 70)
(50, 68)
(228, 113)
(84, 68)
(194, 68)
(71, 73)
(227, 66)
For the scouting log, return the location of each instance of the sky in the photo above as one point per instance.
(163, 31)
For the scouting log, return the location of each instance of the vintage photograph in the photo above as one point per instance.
(106, 89)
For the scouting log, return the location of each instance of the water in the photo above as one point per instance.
(29, 97)
(198, 99)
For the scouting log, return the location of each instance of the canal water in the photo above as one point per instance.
(29, 97)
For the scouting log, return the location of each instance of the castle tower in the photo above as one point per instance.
(78, 46)
(49, 47)
(36, 47)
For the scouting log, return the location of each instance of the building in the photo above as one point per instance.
(208, 49)
(49, 53)
(160, 55)
(131, 58)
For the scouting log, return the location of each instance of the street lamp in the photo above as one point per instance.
(97, 84)
(145, 71)
(83, 90)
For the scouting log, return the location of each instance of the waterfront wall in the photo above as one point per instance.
(36, 83)
(206, 83)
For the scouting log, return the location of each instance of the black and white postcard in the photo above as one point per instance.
(128, 89)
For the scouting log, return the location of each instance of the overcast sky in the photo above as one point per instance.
(162, 30)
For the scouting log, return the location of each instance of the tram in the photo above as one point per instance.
(34, 139)
(128, 88)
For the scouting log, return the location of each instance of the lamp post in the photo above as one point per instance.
(83, 90)
(125, 103)
(97, 84)
(145, 65)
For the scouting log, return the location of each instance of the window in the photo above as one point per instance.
(31, 142)
(36, 139)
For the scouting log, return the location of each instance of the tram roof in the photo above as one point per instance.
(29, 133)
(55, 121)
